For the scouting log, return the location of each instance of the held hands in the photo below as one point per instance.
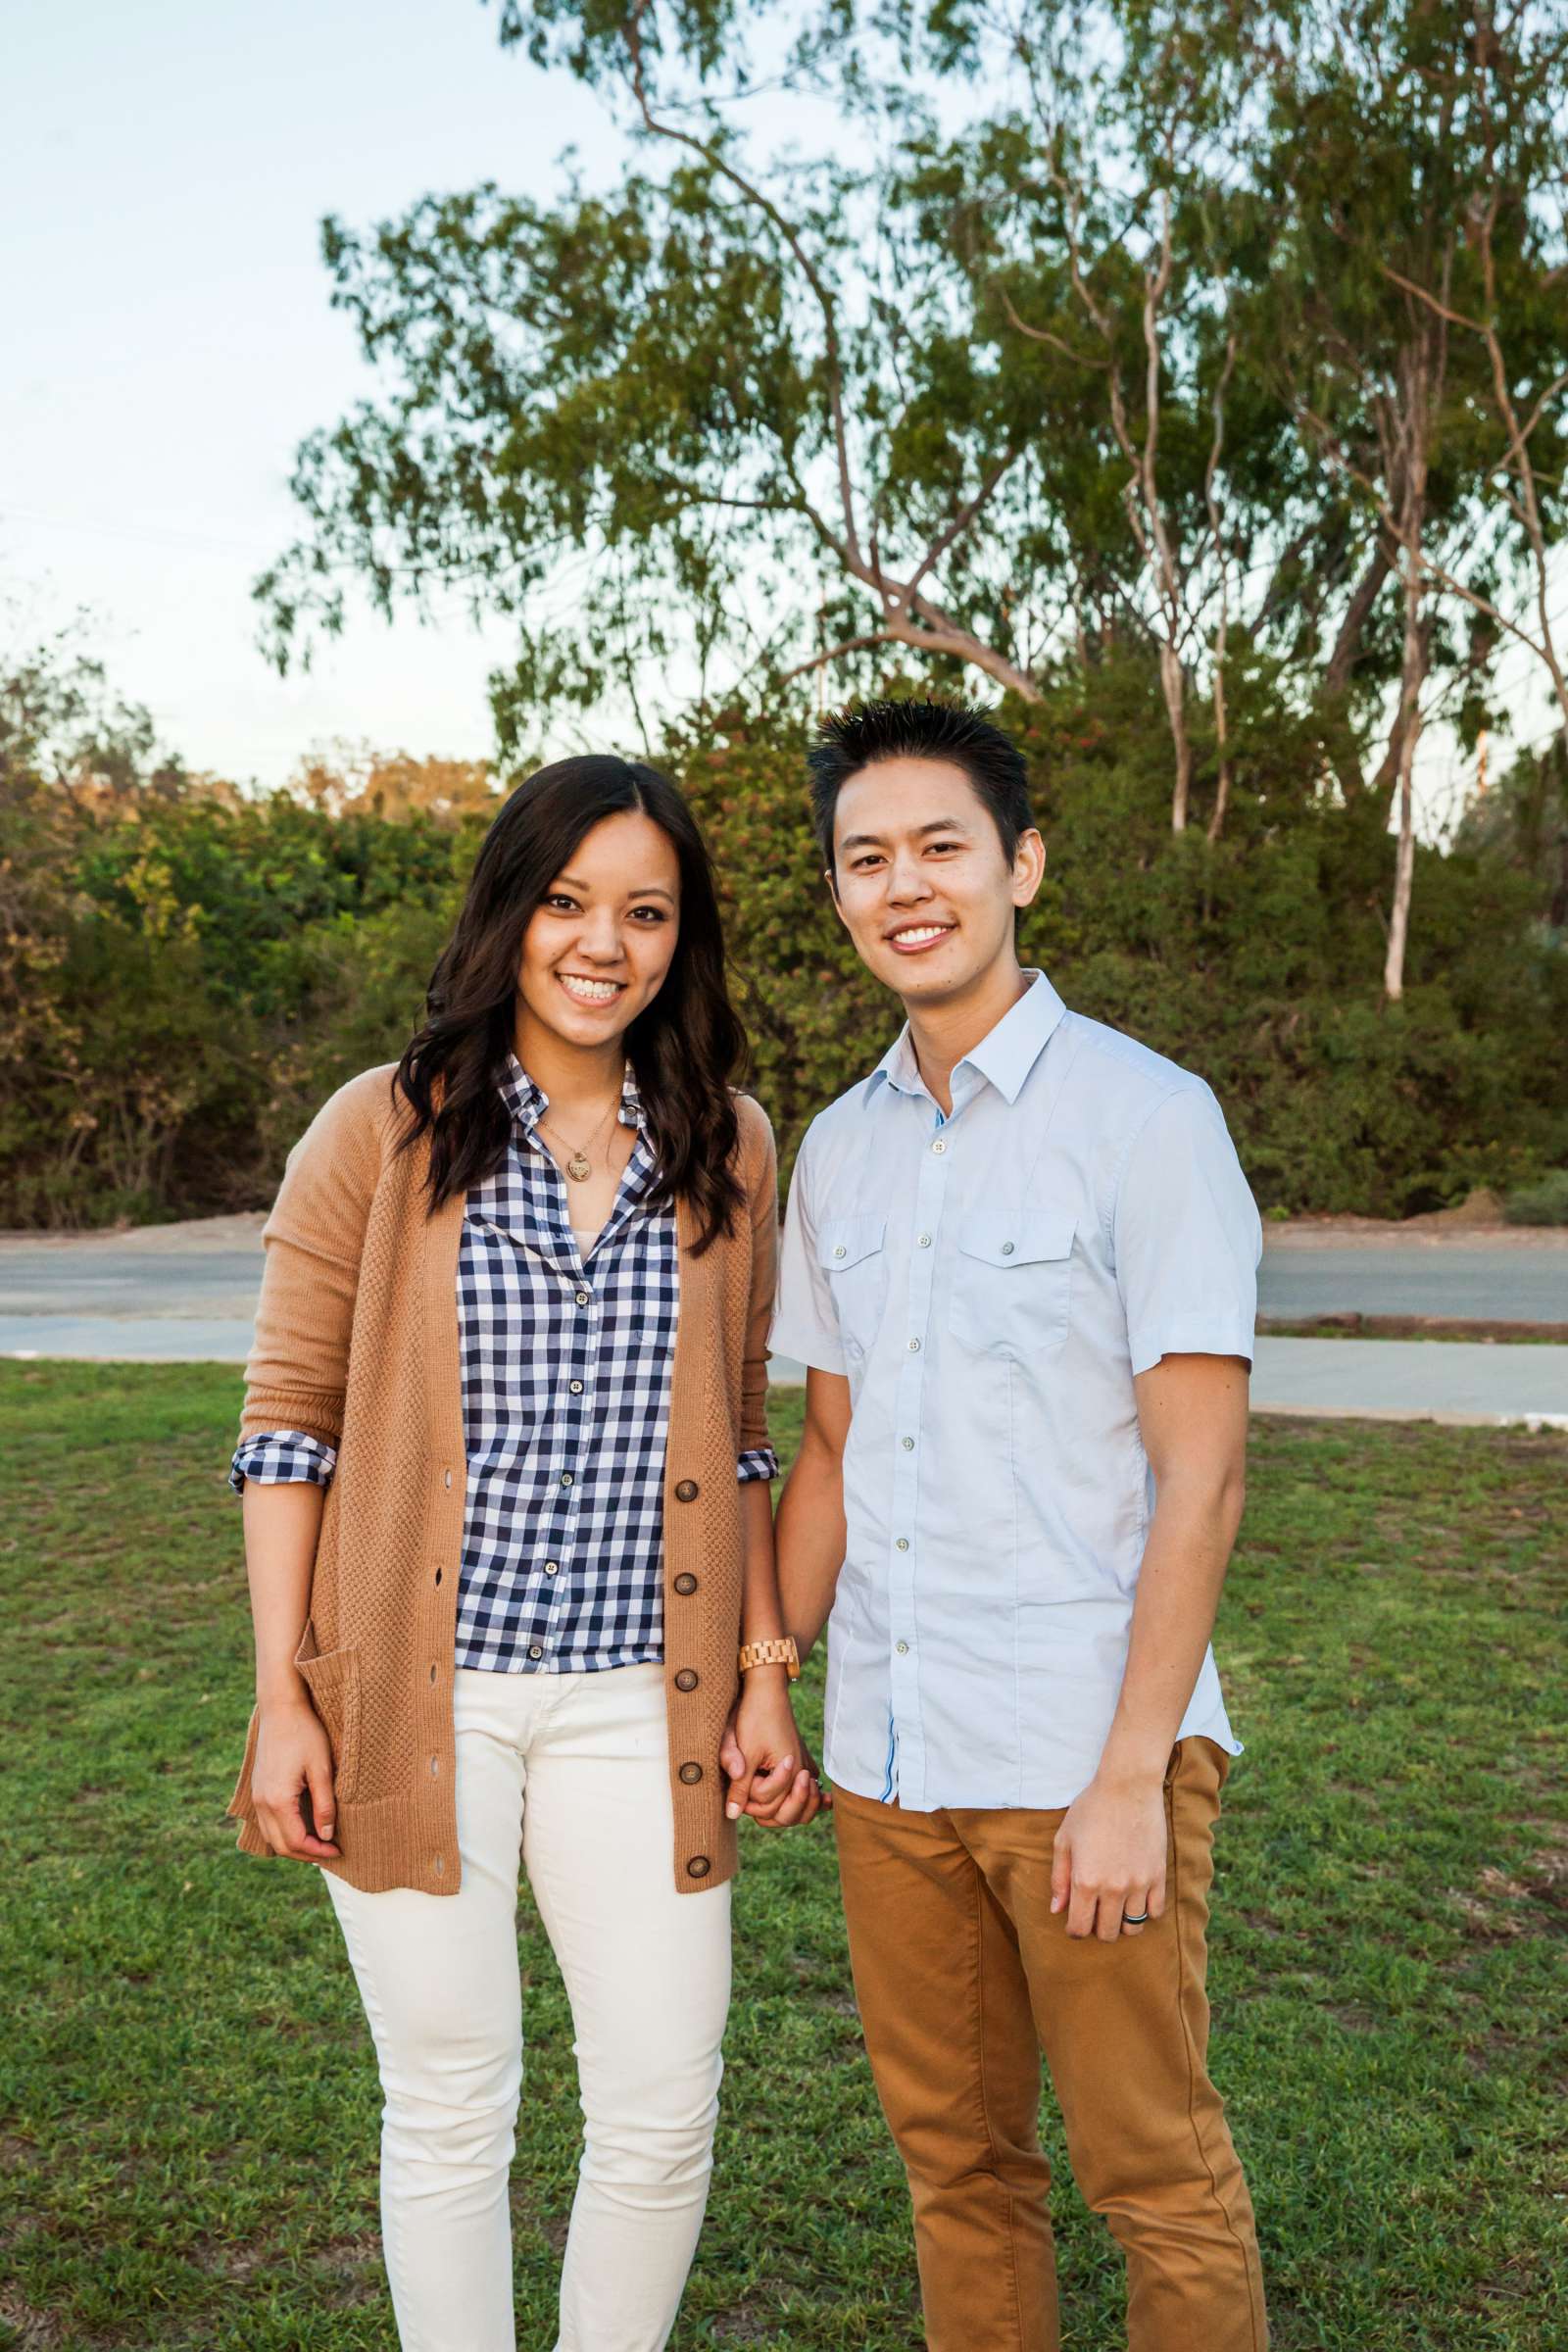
(292, 1756)
(1110, 1859)
(771, 1774)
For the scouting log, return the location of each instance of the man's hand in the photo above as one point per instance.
(1110, 1858)
(293, 1754)
(771, 1774)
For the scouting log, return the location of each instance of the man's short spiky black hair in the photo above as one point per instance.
(866, 732)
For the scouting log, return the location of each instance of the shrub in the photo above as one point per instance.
(1542, 1204)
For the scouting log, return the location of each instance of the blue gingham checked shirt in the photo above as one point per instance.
(566, 1365)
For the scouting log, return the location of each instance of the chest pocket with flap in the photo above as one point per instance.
(1011, 1282)
(852, 1253)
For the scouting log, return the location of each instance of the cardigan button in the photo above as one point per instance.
(691, 1773)
(698, 1867)
(687, 1490)
(686, 1583)
(686, 1680)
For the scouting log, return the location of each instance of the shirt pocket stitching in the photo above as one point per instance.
(1019, 1305)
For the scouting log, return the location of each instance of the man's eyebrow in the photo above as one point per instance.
(874, 841)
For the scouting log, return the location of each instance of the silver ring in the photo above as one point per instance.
(1134, 1918)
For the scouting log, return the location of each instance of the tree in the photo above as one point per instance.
(1411, 147)
(806, 413)
(1095, 341)
(342, 776)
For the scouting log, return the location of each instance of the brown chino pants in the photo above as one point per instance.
(963, 1976)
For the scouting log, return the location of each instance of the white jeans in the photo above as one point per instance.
(574, 1770)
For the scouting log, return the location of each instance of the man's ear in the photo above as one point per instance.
(1028, 867)
(830, 877)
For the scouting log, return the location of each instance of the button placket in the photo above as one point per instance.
(904, 1550)
(560, 1532)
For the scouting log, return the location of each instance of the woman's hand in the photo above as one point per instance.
(1110, 1858)
(293, 1754)
(771, 1774)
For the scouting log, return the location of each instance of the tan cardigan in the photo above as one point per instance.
(357, 1343)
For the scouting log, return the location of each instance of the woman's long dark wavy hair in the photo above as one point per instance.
(684, 1047)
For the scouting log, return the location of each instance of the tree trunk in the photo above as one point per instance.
(1174, 686)
(1407, 729)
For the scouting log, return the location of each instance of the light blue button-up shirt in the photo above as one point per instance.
(990, 1283)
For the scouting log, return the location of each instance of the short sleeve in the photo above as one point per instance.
(1185, 1236)
(805, 1323)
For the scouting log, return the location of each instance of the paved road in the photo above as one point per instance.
(1478, 1281)
(211, 1268)
(186, 1293)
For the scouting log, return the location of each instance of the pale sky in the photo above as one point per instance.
(170, 341)
(167, 163)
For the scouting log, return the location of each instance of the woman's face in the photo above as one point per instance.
(603, 936)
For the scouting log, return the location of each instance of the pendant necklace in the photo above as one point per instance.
(579, 1168)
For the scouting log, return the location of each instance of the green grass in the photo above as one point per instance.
(188, 2103)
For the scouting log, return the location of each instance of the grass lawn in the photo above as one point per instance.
(187, 2098)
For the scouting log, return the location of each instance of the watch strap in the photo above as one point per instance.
(778, 1652)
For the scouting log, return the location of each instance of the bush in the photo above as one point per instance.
(184, 978)
(1542, 1204)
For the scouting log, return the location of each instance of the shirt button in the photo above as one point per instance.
(914, 1346)
(925, 1241)
(534, 1650)
(576, 1388)
(583, 1297)
(1006, 1249)
(552, 1567)
(904, 1544)
(907, 1444)
(902, 1649)
(566, 1478)
(840, 1251)
(939, 1145)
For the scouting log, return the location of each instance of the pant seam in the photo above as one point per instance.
(1182, 1973)
(985, 2100)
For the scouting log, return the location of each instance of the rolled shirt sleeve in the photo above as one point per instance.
(805, 1322)
(1186, 1234)
(282, 1458)
(757, 1461)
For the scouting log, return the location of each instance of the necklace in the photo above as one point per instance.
(579, 1168)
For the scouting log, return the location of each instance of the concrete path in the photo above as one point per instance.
(186, 1293)
(1399, 1380)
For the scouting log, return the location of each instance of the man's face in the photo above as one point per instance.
(922, 885)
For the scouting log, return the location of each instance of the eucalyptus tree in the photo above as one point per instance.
(955, 387)
(1077, 327)
(1417, 171)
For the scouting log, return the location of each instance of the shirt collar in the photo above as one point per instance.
(1005, 1054)
(528, 1102)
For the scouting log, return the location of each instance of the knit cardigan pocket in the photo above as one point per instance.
(333, 1682)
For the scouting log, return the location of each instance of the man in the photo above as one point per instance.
(1020, 1265)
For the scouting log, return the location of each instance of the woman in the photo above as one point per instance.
(505, 1467)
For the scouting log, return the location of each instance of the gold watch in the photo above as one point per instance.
(782, 1652)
